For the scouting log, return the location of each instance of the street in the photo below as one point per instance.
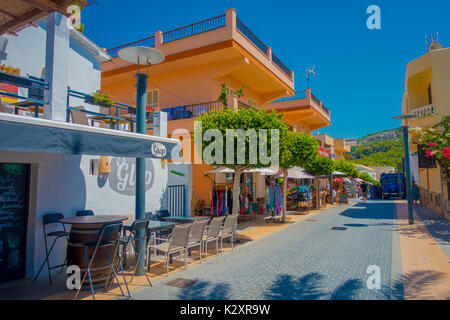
(308, 260)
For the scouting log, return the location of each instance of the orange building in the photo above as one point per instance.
(200, 58)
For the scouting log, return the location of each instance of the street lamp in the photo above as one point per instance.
(407, 164)
(141, 56)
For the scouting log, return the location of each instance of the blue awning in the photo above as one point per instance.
(26, 134)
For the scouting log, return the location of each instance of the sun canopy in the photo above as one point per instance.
(338, 173)
(26, 134)
(299, 173)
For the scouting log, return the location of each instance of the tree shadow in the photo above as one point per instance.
(415, 282)
(378, 211)
(310, 287)
(205, 290)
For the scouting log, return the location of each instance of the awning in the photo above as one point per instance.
(26, 134)
(338, 173)
(299, 173)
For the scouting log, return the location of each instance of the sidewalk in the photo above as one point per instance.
(425, 249)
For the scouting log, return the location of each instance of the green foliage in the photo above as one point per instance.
(244, 119)
(366, 177)
(297, 149)
(347, 167)
(223, 97)
(437, 142)
(320, 166)
(104, 98)
(379, 149)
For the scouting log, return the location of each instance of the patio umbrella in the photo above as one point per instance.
(339, 180)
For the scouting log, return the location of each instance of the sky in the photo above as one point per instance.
(359, 72)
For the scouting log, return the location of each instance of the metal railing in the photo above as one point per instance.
(327, 111)
(36, 88)
(281, 65)
(315, 99)
(242, 105)
(147, 42)
(114, 114)
(251, 36)
(192, 111)
(194, 28)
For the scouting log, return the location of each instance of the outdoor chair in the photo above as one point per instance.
(52, 219)
(228, 230)
(83, 213)
(196, 237)
(138, 233)
(213, 234)
(79, 117)
(103, 243)
(175, 243)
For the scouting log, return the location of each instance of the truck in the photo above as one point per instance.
(390, 185)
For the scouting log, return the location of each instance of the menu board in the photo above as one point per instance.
(343, 197)
(14, 186)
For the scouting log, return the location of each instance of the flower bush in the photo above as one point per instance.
(437, 142)
(100, 97)
(148, 109)
(9, 70)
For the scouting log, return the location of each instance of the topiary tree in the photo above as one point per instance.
(320, 166)
(254, 143)
(366, 177)
(347, 167)
(296, 149)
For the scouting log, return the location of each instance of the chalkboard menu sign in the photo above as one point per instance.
(343, 197)
(14, 185)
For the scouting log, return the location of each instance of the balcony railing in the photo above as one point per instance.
(327, 111)
(424, 111)
(195, 28)
(192, 111)
(281, 65)
(147, 42)
(315, 99)
(251, 36)
(35, 96)
(114, 115)
(242, 105)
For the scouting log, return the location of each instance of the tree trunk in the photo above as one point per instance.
(236, 189)
(285, 179)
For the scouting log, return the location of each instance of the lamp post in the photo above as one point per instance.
(141, 56)
(405, 128)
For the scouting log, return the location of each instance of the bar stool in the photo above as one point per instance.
(134, 238)
(83, 213)
(48, 219)
(103, 243)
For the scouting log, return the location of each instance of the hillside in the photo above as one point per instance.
(379, 148)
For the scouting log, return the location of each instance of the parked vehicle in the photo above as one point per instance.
(390, 185)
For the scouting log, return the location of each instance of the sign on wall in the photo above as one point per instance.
(122, 178)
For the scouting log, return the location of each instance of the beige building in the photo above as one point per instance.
(335, 148)
(427, 95)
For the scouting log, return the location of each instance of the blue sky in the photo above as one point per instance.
(359, 72)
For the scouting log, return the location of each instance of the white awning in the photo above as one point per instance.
(299, 173)
(338, 173)
(262, 171)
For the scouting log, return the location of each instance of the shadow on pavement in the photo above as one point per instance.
(205, 290)
(371, 210)
(310, 287)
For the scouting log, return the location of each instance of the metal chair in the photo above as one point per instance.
(176, 242)
(228, 231)
(103, 243)
(213, 234)
(134, 237)
(84, 213)
(49, 219)
(196, 237)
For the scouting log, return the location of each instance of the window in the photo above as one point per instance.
(252, 103)
(153, 98)
(430, 99)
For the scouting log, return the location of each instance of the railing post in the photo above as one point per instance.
(233, 103)
(158, 39)
(269, 53)
(230, 15)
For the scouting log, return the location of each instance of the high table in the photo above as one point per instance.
(87, 229)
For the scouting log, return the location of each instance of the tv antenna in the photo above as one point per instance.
(309, 72)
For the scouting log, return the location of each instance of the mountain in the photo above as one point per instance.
(379, 148)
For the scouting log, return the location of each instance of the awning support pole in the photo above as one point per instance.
(141, 101)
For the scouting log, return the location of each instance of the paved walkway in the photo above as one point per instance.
(307, 260)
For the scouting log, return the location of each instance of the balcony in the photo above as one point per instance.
(191, 111)
(223, 41)
(304, 108)
(423, 112)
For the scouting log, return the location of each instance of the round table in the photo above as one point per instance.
(87, 229)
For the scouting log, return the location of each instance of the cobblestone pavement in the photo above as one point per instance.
(307, 260)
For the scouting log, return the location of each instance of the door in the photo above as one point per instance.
(14, 188)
